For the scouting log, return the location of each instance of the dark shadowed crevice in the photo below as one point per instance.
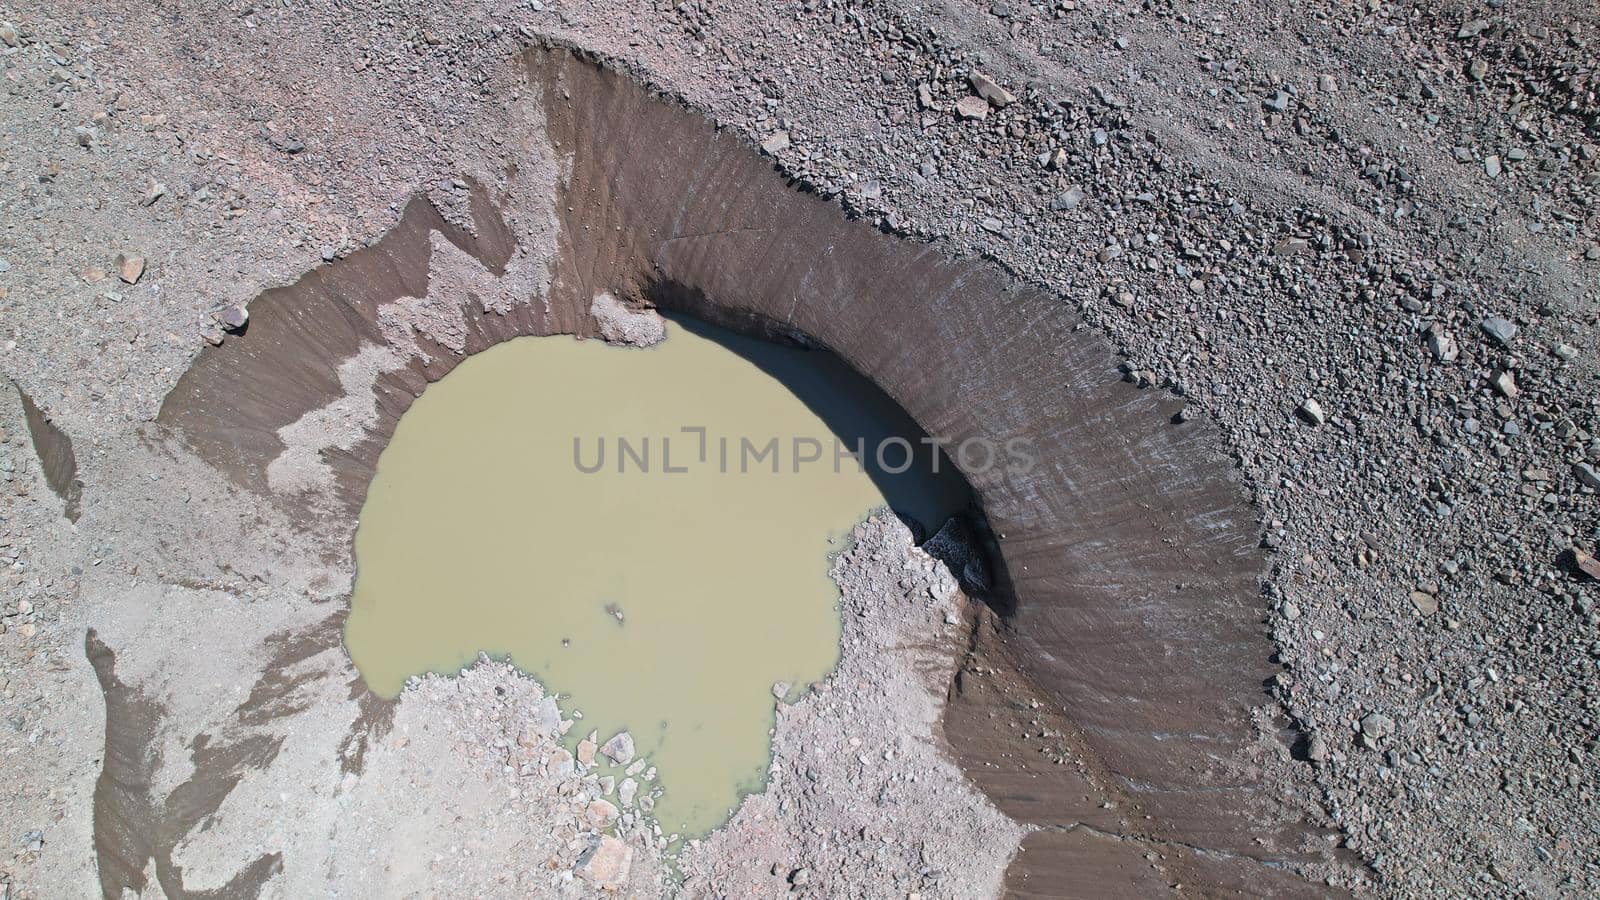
(967, 543)
(861, 417)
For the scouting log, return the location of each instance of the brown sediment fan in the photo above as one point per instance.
(1129, 554)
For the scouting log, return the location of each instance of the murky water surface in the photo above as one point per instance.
(664, 601)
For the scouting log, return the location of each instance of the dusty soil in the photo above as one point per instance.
(1259, 204)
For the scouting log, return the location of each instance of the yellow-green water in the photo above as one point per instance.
(662, 602)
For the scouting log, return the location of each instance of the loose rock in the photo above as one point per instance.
(986, 87)
(601, 814)
(559, 764)
(619, 749)
(775, 143)
(1502, 330)
(1443, 346)
(1068, 199)
(972, 108)
(1587, 476)
(605, 864)
(234, 318)
(1505, 384)
(1375, 726)
(129, 267)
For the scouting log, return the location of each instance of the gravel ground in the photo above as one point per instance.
(1361, 237)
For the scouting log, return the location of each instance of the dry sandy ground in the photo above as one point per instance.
(1259, 204)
